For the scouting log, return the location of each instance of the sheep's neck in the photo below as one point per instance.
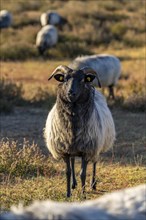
(73, 116)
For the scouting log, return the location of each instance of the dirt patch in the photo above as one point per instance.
(24, 123)
(28, 123)
(131, 134)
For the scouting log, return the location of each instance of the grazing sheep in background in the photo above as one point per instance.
(127, 204)
(5, 19)
(46, 38)
(52, 18)
(80, 123)
(107, 67)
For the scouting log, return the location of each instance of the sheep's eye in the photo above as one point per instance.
(59, 77)
(89, 78)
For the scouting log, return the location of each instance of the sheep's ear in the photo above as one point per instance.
(59, 77)
(89, 78)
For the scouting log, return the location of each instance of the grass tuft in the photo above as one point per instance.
(135, 103)
(24, 161)
(10, 95)
(26, 175)
(43, 98)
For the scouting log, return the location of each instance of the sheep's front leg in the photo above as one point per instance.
(83, 173)
(68, 175)
(93, 181)
(74, 182)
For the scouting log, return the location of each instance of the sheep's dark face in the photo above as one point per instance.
(75, 85)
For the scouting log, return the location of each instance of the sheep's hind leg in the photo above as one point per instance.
(68, 174)
(93, 181)
(111, 92)
(74, 182)
(83, 173)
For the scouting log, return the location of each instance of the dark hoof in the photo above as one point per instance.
(68, 195)
(93, 187)
(74, 185)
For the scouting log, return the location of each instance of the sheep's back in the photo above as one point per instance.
(108, 67)
(48, 35)
(51, 18)
(5, 19)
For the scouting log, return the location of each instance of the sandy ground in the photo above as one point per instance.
(28, 123)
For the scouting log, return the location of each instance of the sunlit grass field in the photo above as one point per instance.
(112, 27)
(33, 75)
(28, 175)
(92, 25)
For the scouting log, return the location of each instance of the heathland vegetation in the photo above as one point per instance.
(111, 26)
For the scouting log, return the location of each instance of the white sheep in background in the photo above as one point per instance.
(79, 124)
(46, 38)
(127, 204)
(53, 18)
(107, 67)
(5, 19)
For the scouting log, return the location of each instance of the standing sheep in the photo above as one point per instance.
(107, 67)
(79, 124)
(46, 38)
(52, 18)
(126, 204)
(5, 19)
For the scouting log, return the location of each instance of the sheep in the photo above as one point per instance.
(46, 38)
(53, 18)
(79, 124)
(125, 204)
(107, 67)
(5, 19)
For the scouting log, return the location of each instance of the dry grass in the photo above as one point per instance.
(33, 75)
(26, 174)
(93, 24)
(25, 167)
(124, 167)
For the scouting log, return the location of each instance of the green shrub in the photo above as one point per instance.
(25, 6)
(66, 50)
(132, 42)
(43, 98)
(23, 161)
(137, 98)
(10, 95)
(135, 103)
(21, 51)
(20, 22)
(118, 30)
